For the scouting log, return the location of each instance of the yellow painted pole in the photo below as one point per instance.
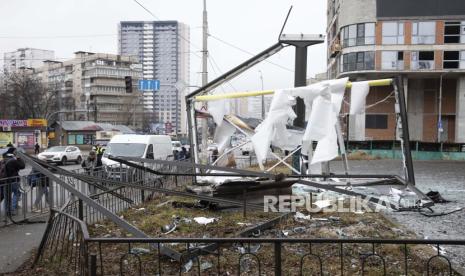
(206, 98)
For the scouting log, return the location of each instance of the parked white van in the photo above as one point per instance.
(135, 145)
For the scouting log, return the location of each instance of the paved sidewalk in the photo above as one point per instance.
(16, 243)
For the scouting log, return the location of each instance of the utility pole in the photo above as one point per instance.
(204, 72)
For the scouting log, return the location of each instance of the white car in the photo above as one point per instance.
(61, 155)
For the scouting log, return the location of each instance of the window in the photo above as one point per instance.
(149, 154)
(423, 60)
(454, 60)
(358, 34)
(454, 32)
(358, 61)
(392, 60)
(451, 59)
(393, 33)
(424, 32)
(376, 121)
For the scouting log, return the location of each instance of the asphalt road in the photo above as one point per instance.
(446, 177)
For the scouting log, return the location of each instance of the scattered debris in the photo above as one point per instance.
(244, 224)
(322, 203)
(140, 209)
(320, 219)
(303, 190)
(187, 266)
(28, 234)
(299, 216)
(436, 197)
(163, 203)
(299, 230)
(332, 218)
(204, 220)
(205, 266)
(139, 251)
(166, 229)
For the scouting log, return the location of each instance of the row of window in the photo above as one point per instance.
(394, 60)
(423, 32)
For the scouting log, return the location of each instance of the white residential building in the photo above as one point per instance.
(26, 58)
(163, 50)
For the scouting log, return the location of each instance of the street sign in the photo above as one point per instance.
(149, 85)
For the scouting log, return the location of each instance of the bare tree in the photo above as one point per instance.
(24, 96)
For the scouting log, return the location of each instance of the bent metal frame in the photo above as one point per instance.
(201, 95)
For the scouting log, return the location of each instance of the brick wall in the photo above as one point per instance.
(439, 32)
(408, 32)
(379, 33)
(430, 115)
(387, 107)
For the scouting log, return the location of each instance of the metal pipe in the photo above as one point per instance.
(439, 126)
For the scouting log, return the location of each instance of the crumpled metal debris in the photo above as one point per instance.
(169, 228)
(187, 266)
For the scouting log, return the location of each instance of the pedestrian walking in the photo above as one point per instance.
(36, 148)
(12, 193)
(90, 166)
(41, 182)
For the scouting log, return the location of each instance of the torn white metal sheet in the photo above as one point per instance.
(358, 96)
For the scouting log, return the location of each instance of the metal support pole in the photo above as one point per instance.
(93, 265)
(277, 259)
(439, 126)
(80, 210)
(398, 85)
(300, 79)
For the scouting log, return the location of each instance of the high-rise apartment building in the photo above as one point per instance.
(423, 41)
(26, 58)
(163, 50)
(92, 87)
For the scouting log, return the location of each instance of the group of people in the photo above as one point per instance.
(181, 155)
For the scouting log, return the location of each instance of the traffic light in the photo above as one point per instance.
(128, 83)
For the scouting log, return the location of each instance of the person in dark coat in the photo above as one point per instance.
(90, 166)
(36, 148)
(13, 165)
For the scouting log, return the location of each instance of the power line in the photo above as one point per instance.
(157, 18)
(213, 63)
(249, 53)
(57, 36)
(147, 10)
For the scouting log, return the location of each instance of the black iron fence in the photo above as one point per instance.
(68, 249)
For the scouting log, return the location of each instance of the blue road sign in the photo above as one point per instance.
(149, 85)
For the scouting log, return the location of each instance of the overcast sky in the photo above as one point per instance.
(66, 26)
